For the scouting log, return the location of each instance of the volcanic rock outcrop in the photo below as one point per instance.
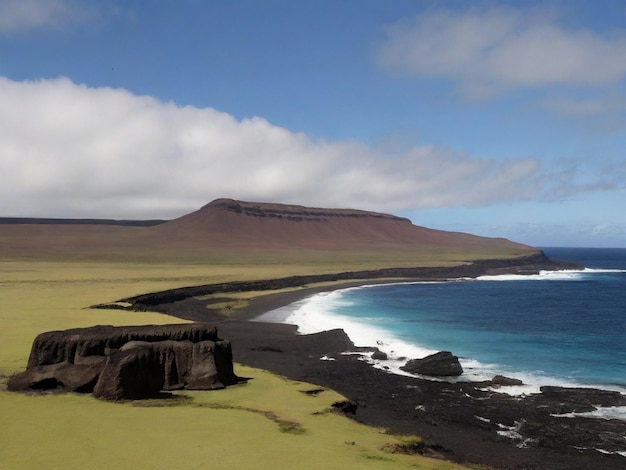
(130, 362)
(441, 364)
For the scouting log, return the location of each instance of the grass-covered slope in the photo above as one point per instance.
(266, 423)
(51, 272)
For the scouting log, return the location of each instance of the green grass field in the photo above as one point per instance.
(265, 423)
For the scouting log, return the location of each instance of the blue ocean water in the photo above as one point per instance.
(563, 328)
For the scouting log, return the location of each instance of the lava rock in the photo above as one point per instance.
(62, 377)
(379, 355)
(346, 407)
(501, 380)
(128, 362)
(132, 374)
(441, 364)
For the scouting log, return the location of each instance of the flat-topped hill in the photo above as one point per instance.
(226, 229)
(227, 222)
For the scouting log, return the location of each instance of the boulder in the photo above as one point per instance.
(441, 364)
(379, 355)
(327, 342)
(501, 380)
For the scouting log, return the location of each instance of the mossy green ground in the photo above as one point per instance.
(267, 422)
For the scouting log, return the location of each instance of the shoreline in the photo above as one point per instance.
(461, 421)
(475, 432)
(399, 351)
(458, 421)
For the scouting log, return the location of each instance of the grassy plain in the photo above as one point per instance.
(266, 423)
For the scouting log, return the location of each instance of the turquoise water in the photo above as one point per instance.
(563, 328)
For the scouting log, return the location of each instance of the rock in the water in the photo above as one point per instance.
(501, 380)
(441, 364)
(379, 355)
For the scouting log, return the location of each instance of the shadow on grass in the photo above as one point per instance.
(166, 399)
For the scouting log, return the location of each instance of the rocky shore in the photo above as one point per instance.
(463, 422)
(531, 264)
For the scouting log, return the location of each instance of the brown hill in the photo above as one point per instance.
(227, 228)
(227, 222)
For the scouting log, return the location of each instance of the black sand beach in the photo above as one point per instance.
(461, 422)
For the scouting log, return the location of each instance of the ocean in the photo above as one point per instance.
(564, 328)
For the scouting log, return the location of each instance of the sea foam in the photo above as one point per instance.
(323, 311)
(563, 275)
(601, 412)
(569, 275)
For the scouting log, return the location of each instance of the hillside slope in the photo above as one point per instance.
(228, 222)
(226, 228)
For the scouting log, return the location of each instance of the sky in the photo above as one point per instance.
(502, 119)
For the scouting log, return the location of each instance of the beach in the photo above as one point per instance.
(462, 422)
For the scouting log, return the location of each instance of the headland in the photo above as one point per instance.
(272, 255)
(464, 422)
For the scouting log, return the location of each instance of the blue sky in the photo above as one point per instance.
(495, 118)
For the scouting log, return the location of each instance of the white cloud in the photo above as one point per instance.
(568, 106)
(71, 150)
(494, 50)
(20, 15)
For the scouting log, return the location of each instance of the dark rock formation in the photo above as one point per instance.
(328, 342)
(463, 420)
(581, 399)
(379, 355)
(80, 345)
(506, 381)
(294, 212)
(128, 362)
(441, 364)
(499, 381)
(62, 376)
(346, 407)
(132, 374)
(531, 264)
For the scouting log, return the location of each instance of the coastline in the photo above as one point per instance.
(351, 309)
(461, 422)
(458, 422)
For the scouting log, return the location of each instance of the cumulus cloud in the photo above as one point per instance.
(73, 151)
(499, 49)
(20, 15)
